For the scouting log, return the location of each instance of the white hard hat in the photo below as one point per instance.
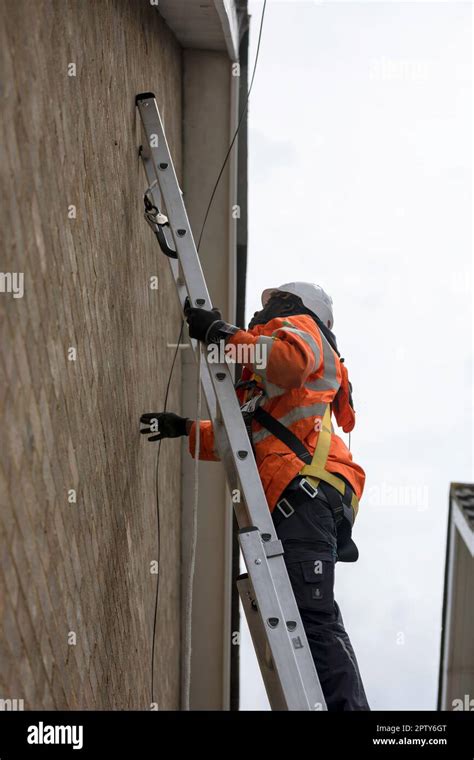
(313, 296)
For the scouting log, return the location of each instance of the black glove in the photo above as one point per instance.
(207, 325)
(163, 425)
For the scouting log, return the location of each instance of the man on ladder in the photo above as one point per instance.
(311, 482)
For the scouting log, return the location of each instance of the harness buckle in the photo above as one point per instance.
(290, 511)
(308, 488)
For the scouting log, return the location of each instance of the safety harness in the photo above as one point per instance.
(314, 467)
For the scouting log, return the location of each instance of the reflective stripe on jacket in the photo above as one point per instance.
(301, 373)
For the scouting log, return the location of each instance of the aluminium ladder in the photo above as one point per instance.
(282, 650)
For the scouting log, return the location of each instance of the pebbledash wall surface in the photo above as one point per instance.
(83, 354)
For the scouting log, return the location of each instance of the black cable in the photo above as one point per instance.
(158, 514)
(244, 110)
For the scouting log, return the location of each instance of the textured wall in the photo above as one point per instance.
(84, 567)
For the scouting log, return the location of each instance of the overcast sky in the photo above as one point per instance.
(360, 180)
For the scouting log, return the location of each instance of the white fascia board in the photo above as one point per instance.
(230, 26)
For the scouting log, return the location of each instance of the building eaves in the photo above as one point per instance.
(463, 495)
(204, 24)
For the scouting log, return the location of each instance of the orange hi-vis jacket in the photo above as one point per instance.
(300, 374)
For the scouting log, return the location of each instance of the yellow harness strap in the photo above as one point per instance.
(316, 471)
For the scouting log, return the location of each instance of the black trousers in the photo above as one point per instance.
(310, 543)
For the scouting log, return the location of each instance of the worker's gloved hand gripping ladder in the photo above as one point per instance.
(277, 632)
